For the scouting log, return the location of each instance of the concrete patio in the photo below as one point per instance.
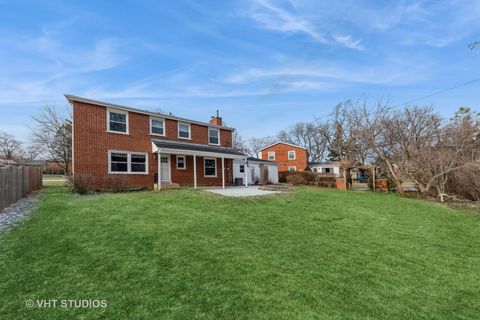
(251, 191)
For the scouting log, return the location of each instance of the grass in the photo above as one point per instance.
(54, 180)
(185, 254)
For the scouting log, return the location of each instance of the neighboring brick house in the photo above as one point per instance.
(288, 156)
(111, 140)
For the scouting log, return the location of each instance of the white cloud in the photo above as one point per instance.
(349, 42)
(274, 17)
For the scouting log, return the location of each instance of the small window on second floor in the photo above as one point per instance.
(117, 121)
(271, 155)
(213, 136)
(184, 130)
(291, 155)
(157, 126)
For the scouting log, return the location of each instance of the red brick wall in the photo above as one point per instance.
(92, 142)
(185, 177)
(281, 156)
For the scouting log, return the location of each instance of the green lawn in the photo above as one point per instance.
(185, 254)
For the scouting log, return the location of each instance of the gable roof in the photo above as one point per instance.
(72, 98)
(281, 142)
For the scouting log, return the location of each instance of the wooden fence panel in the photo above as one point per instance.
(3, 202)
(18, 182)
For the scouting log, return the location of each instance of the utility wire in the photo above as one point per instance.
(438, 92)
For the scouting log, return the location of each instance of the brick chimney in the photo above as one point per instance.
(216, 120)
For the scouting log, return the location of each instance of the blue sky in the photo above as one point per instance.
(265, 65)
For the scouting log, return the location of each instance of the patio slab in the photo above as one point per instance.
(251, 191)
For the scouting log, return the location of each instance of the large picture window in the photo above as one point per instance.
(117, 121)
(184, 130)
(157, 126)
(210, 165)
(127, 162)
(213, 136)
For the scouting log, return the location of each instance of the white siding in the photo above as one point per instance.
(236, 169)
(253, 171)
(273, 173)
(333, 169)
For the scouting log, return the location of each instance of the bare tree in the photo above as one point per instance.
(256, 144)
(307, 135)
(238, 143)
(9, 146)
(456, 148)
(53, 132)
(31, 152)
(372, 128)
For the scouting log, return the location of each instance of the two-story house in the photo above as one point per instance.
(146, 147)
(289, 157)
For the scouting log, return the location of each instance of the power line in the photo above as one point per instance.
(438, 92)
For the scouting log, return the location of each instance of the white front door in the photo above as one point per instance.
(165, 168)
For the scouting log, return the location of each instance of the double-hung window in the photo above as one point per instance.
(127, 162)
(292, 168)
(271, 155)
(157, 126)
(291, 155)
(184, 130)
(210, 166)
(242, 168)
(213, 136)
(117, 121)
(181, 163)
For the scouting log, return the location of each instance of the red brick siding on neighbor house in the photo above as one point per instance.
(281, 156)
(91, 143)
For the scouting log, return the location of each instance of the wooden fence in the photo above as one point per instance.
(17, 182)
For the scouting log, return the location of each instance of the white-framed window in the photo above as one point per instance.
(242, 168)
(117, 121)
(157, 126)
(292, 155)
(210, 167)
(127, 162)
(184, 130)
(214, 136)
(292, 168)
(271, 155)
(181, 163)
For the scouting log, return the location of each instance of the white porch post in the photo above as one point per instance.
(159, 175)
(194, 171)
(246, 173)
(223, 173)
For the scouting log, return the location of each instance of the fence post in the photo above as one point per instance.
(2, 189)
